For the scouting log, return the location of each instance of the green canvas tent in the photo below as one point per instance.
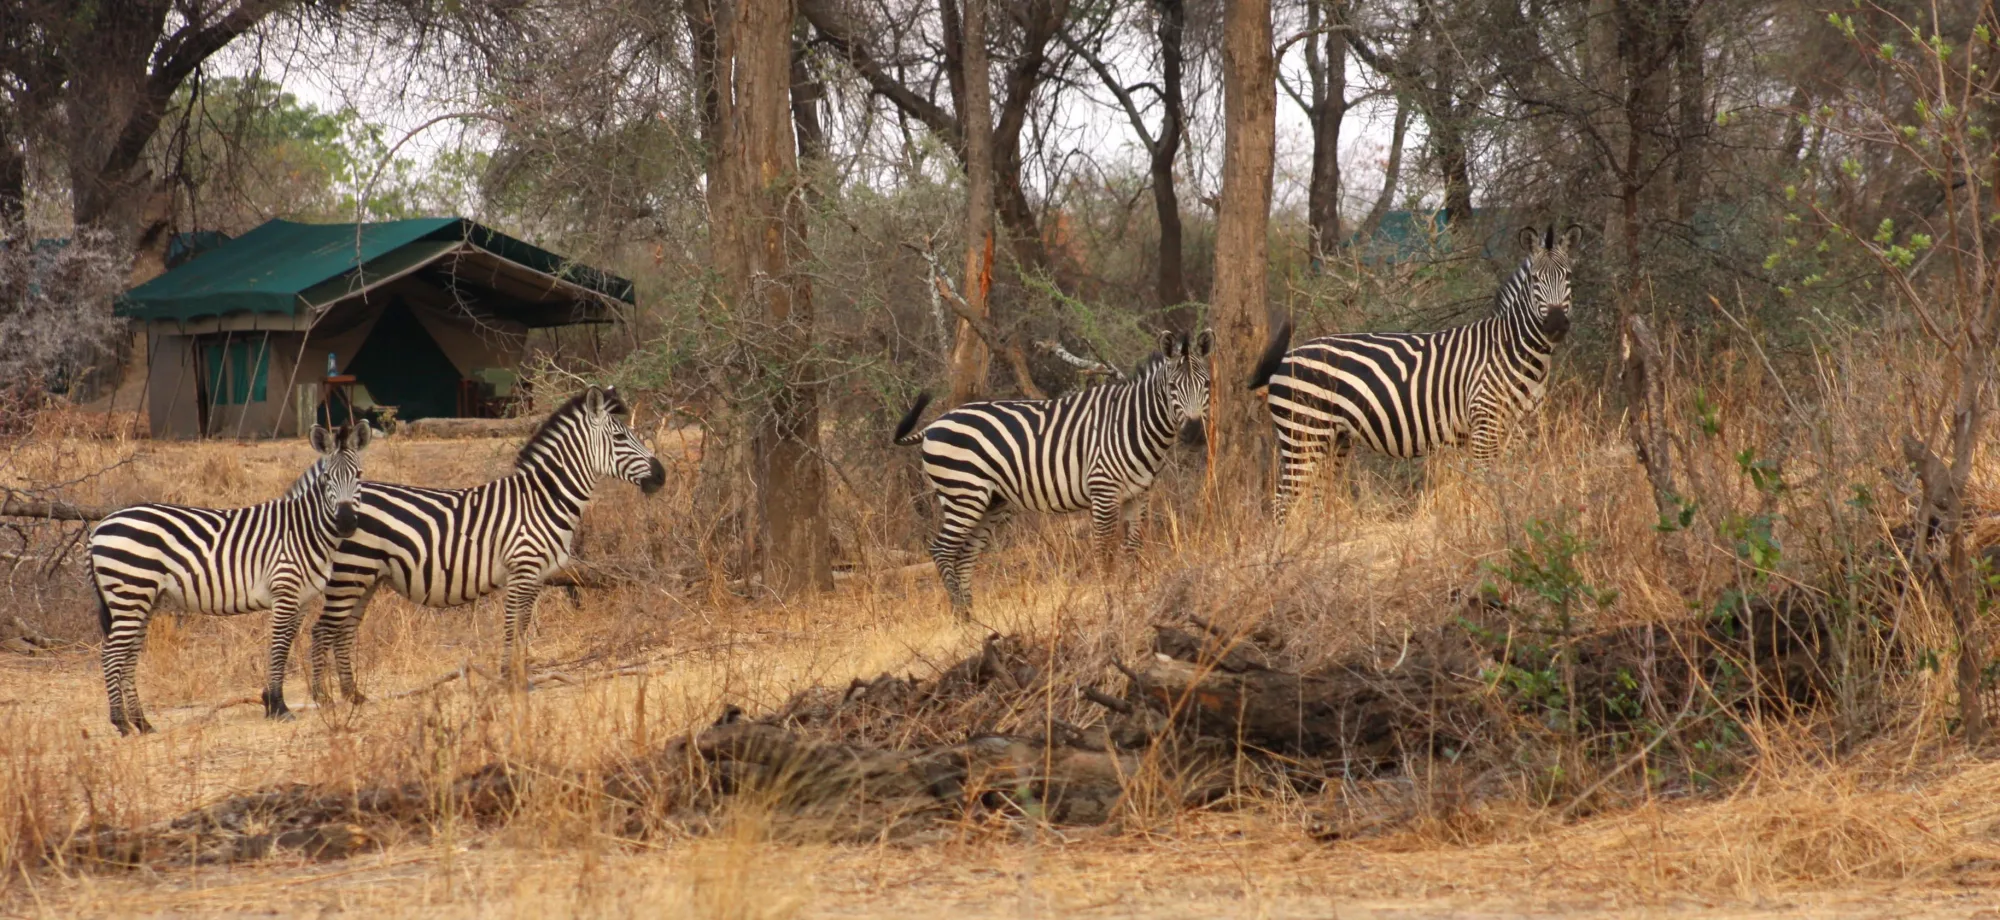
(426, 314)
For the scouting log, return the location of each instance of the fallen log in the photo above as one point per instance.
(54, 511)
(452, 428)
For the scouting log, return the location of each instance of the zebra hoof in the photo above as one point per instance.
(275, 708)
(142, 726)
(357, 698)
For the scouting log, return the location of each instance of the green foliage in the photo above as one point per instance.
(252, 151)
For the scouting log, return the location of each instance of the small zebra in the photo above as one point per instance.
(273, 556)
(446, 547)
(1098, 449)
(1405, 393)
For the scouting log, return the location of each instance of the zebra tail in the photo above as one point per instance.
(1274, 355)
(103, 606)
(906, 429)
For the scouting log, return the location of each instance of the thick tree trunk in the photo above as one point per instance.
(1172, 280)
(971, 359)
(1242, 311)
(125, 70)
(763, 227)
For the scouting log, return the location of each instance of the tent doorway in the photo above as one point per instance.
(402, 366)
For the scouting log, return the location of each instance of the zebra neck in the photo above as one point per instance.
(303, 504)
(557, 490)
(1152, 399)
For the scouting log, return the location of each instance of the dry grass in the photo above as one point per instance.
(1899, 826)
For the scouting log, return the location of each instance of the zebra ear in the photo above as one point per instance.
(358, 437)
(593, 401)
(321, 439)
(1531, 240)
(1204, 342)
(1171, 343)
(1572, 237)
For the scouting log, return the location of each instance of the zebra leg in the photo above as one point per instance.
(284, 630)
(1135, 522)
(333, 639)
(959, 537)
(521, 595)
(1106, 516)
(124, 635)
(1488, 436)
(1296, 462)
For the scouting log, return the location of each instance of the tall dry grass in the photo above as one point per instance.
(1386, 550)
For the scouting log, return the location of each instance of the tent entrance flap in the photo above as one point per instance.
(402, 366)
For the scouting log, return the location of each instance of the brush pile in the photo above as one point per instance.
(1064, 732)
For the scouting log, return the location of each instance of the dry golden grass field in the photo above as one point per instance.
(1896, 822)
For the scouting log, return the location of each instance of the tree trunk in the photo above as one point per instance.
(1242, 311)
(1329, 109)
(763, 229)
(1455, 166)
(1691, 84)
(1172, 283)
(1040, 22)
(13, 178)
(1391, 173)
(970, 356)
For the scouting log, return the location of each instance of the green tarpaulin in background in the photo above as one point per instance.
(288, 268)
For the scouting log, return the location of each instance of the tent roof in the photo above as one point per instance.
(297, 270)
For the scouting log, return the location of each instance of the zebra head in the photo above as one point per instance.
(1186, 372)
(338, 478)
(1541, 285)
(589, 432)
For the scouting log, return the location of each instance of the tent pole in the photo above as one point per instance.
(250, 386)
(145, 388)
(292, 382)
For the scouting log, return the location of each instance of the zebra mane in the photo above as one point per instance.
(1513, 293)
(304, 483)
(552, 426)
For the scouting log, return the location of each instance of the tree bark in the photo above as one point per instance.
(970, 357)
(1645, 419)
(1242, 310)
(764, 230)
(1329, 109)
(1041, 21)
(1691, 85)
(124, 67)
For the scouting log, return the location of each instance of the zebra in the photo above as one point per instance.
(1405, 393)
(447, 547)
(1098, 449)
(273, 556)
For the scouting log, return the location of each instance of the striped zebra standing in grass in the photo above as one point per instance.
(273, 556)
(1404, 393)
(1098, 449)
(446, 547)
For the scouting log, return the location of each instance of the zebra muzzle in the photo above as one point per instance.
(656, 476)
(344, 520)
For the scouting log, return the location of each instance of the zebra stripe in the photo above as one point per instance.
(446, 547)
(273, 556)
(1099, 449)
(1407, 393)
